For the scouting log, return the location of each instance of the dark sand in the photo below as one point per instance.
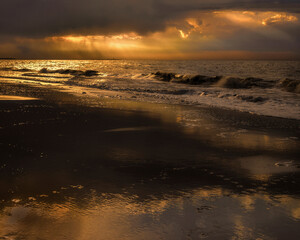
(73, 171)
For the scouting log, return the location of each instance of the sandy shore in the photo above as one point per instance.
(136, 175)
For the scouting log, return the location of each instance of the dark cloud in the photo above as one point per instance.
(245, 40)
(40, 18)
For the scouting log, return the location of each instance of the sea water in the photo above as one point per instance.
(268, 88)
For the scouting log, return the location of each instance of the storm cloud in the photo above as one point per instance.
(163, 29)
(42, 18)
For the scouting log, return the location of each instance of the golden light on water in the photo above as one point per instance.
(122, 217)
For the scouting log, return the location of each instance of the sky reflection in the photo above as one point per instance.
(202, 213)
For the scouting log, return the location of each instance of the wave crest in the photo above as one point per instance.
(87, 73)
(290, 85)
(220, 81)
(235, 82)
(187, 79)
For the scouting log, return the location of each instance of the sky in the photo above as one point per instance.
(150, 29)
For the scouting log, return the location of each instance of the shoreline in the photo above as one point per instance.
(64, 155)
(268, 108)
(61, 93)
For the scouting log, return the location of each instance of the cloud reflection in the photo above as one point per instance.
(173, 217)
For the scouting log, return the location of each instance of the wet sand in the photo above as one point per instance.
(70, 170)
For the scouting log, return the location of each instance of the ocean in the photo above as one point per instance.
(268, 88)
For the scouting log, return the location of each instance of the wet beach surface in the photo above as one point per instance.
(76, 171)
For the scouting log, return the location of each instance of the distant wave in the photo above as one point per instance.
(87, 73)
(15, 69)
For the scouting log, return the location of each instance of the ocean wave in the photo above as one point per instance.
(166, 83)
(87, 73)
(15, 69)
(235, 82)
(187, 79)
(130, 88)
(225, 81)
(42, 76)
(290, 85)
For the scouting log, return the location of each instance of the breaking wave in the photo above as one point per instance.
(158, 82)
(235, 82)
(290, 85)
(187, 79)
(87, 73)
(219, 81)
(286, 84)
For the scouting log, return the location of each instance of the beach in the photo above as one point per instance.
(149, 120)
(74, 169)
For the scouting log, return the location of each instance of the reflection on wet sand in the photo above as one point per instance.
(15, 98)
(264, 167)
(202, 213)
(80, 172)
(200, 122)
